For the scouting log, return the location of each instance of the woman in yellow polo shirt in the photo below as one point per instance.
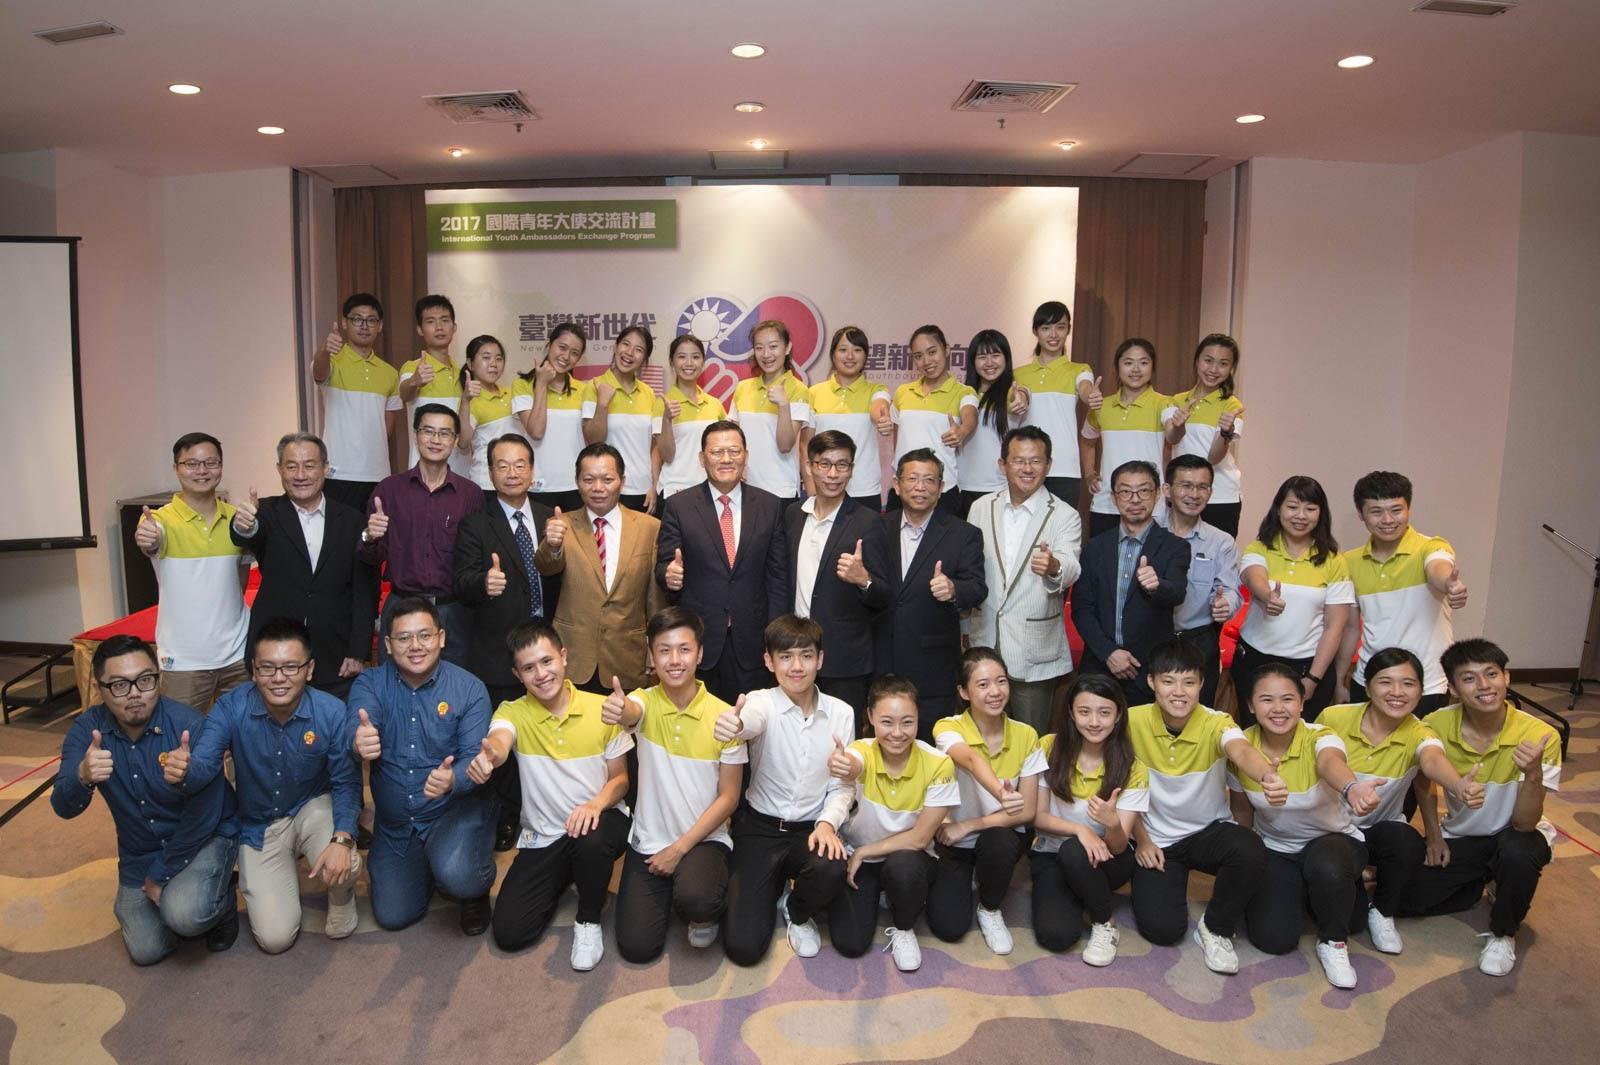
(1301, 596)
(1057, 385)
(1126, 427)
(1002, 403)
(772, 408)
(1206, 419)
(684, 412)
(487, 410)
(859, 408)
(620, 409)
(935, 411)
(552, 414)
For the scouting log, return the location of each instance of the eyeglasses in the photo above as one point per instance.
(726, 452)
(121, 686)
(1196, 487)
(196, 465)
(276, 669)
(843, 466)
(309, 466)
(363, 322)
(1147, 492)
(917, 480)
(519, 466)
(425, 638)
(1030, 463)
(430, 433)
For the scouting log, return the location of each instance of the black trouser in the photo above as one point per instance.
(1325, 876)
(1511, 858)
(1233, 854)
(765, 857)
(1395, 851)
(1425, 706)
(1065, 885)
(993, 858)
(853, 914)
(570, 501)
(728, 680)
(353, 494)
(634, 502)
(850, 690)
(1206, 640)
(1247, 662)
(1099, 523)
(1136, 688)
(873, 503)
(1065, 489)
(536, 879)
(1224, 516)
(964, 499)
(696, 889)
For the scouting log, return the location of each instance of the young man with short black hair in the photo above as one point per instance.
(361, 405)
(433, 375)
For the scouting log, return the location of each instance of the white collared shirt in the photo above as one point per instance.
(511, 517)
(735, 501)
(311, 524)
(789, 756)
(1015, 519)
(613, 535)
(813, 537)
(910, 539)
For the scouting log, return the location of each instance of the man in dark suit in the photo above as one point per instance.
(935, 571)
(1134, 576)
(305, 544)
(507, 556)
(837, 567)
(721, 553)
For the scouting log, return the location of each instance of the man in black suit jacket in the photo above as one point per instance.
(1154, 573)
(837, 568)
(305, 544)
(735, 600)
(919, 636)
(492, 576)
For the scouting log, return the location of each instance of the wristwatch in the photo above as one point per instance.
(343, 840)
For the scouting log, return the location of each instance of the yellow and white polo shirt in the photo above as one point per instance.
(978, 461)
(561, 761)
(1054, 407)
(848, 408)
(555, 455)
(680, 763)
(887, 805)
(1200, 431)
(359, 392)
(1135, 797)
(1187, 772)
(1398, 608)
(685, 470)
(631, 423)
(1391, 765)
(1499, 774)
(445, 388)
(493, 416)
(202, 620)
(1126, 431)
(1019, 756)
(925, 415)
(1307, 588)
(768, 468)
(1313, 809)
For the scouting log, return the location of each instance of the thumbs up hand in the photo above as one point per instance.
(1020, 399)
(1104, 811)
(1146, 575)
(852, 570)
(730, 723)
(674, 574)
(1272, 785)
(1010, 798)
(176, 766)
(1181, 415)
(96, 765)
(1221, 609)
(473, 388)
(841, 765)
(1469, 792)
(942, 587)
(442, 780)
(883, 421)
(1455, 593)
(377, 521)
(244, 512)
(1095, 398)
(1363, 798)
(367, 745)
(555, 532)
(1273, 604)
(1042, 561)
(1529, 755)
(604, 393)
(335, 342)
(425, 372)
(483, 763)
(779, 395)
(494, 582)
(951, 437)
(611, 710)
(147, 534)
(1227, 418)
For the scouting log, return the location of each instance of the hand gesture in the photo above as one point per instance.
(584, 818)
(825, 842)
(545, 375)
(176, 765)
(1529, 755)
(1149, 856)
(883, 422)
(335, 340)
(1470, 792)
(147, 534)
(1341, 692)
(952, 832)
(673, 578)
(1272, 785)
(951, 437)
(1104, 811)
(333, 865)
(851, 569)
(1095, 482)
(1042, 561)
(473, 388)
(377, 521)
(494, 582)
(1122, 664)
(841, 765)
(1221, 609)
(425, 372)
(96, 765)
(482, 766)
(1095, 398)
(942, 587)
(351, 667)
(555, 532)
(672, 408)
(367, 744)
(729, 723)
(665, 862)
(616, 702)
(442, 780)
(245, 511)
(1273, 604)
(1436, 852)
(1146, 575)
(1455, 593)
(1020, 398)
(1010, 798)
(1095, 847)
(604, 393)
(779, 395)
(1363, 798)
(1226, 419)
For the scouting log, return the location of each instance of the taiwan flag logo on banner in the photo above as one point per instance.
(726, 327)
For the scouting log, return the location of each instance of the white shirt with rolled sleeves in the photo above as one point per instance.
(789, 752)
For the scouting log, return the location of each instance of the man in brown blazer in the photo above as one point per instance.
(608, 587)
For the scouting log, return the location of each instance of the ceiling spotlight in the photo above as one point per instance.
(758, 144)
(455, 153)
(749, 107)
(271, 131)
(183, 90)
(1066, 146)
(1355, 62)
(1246, 120)
(749, 51)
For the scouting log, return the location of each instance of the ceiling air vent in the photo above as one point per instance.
(1481, 8)
(468, 108)
(86, 31)
(1163, 164)
(767, 159)
(1010, 97)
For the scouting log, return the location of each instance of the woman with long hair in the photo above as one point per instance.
(1057, 386)
(772, 408)
(1206, 420)
(684, 412)
(1002, 404)
(856, 406)
(620, 409)
(486, 408)
(1126, 427)
(552, 415)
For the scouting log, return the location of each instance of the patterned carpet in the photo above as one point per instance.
(69, 995)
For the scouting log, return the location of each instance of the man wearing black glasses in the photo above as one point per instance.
(361, 405)
(174, 852)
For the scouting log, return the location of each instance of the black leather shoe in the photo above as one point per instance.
(224, 932)
(474, 916)
(505, 837)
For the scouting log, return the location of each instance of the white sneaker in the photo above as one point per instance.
(342, 916)
(1383, 933)
(702, 933)
(1335, 959)
(1101, 950)
(907, 952)
(1220, 957)
(588, 946)
(804, 939)
(995, 933)
(1499, 955)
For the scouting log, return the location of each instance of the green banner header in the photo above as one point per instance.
(553, 225)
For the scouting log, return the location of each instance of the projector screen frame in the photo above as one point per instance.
(86, 540)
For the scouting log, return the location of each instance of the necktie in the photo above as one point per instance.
(600, 546)
(727, 529)
(535, 586)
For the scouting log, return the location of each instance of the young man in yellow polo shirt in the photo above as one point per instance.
(433, 375)
(360, 401)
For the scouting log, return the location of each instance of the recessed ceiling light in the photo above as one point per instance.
(455, 153)
(1356, 62)
(1066, 146)
(758, 144)
(1245, 120)
(183, 89)
(749, 51)
(271, 131)
(749, 107)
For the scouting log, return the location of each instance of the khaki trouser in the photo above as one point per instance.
(270, 876)
(200, 688)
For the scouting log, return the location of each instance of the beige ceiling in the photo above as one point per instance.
(859, 87)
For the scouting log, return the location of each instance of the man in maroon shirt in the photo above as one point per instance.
(412, 521)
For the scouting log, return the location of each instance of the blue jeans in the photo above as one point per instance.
(456, 857)
(454, 617)
(191, 904)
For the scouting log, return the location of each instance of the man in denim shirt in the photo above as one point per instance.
(299, 785)
(174, 852)
(420, 721)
